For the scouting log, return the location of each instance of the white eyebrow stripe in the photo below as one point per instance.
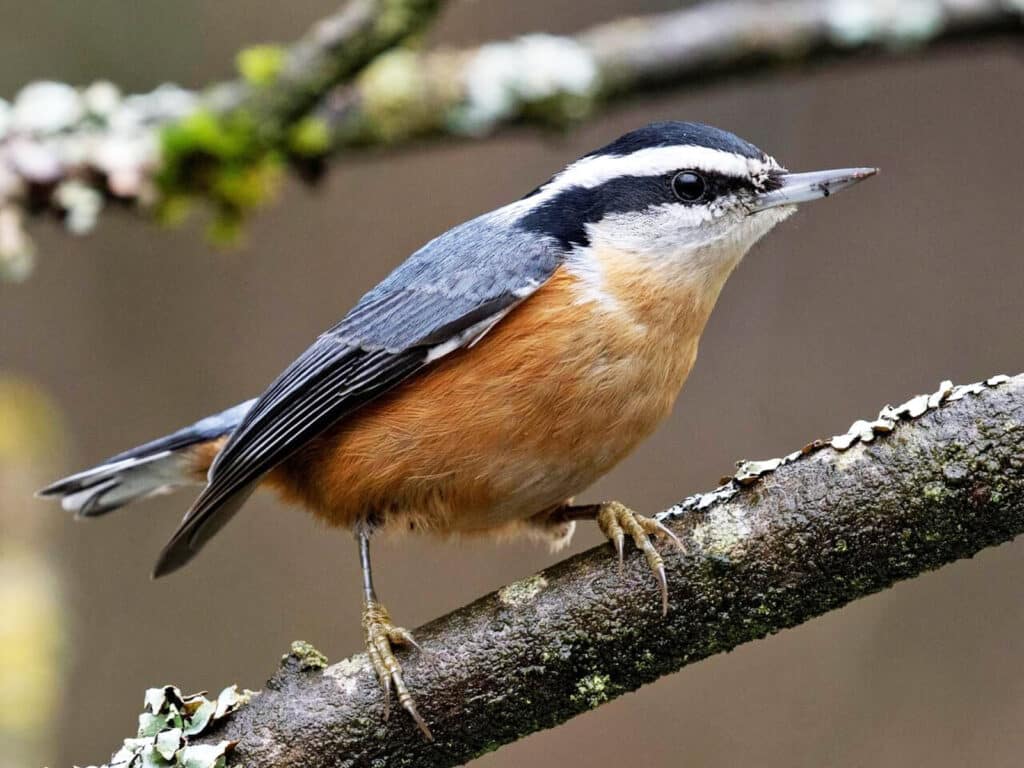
(653, 161)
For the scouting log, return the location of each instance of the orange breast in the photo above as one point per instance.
(553, 397)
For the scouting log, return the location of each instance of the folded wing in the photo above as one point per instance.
(444, 297)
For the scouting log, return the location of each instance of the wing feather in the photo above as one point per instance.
(442, 298)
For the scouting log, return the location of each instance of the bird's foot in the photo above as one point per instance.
(381, 638)
(616, 521)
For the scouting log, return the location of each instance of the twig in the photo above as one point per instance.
(67, 151)
(933, 481)
(557, 80)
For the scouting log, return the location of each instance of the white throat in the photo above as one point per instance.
(679, 247)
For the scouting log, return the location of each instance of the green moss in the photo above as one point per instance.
(935, 492)
(487, 748)
(309, 137)
(229, 137)
(593, 690)
(260, 64)
(174, 209)
(222, 160)
(243, 187)
(307, 655)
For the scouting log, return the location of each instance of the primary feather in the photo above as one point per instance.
(443, 297)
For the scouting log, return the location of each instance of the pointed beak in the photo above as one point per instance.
(803, 187)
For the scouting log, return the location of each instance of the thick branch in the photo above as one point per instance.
(940, 479)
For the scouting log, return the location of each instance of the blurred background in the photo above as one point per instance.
(134, 331)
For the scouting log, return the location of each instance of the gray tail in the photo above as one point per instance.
(157, 467)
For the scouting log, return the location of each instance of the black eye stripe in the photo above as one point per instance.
(566, 215)
(719, 185)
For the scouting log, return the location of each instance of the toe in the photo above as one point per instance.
(409, 705)
(662, 531)
(663, 583)
(402, 636)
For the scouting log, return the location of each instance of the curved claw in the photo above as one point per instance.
(615, 520)
(664, 531)
(402, 636)
(410, 706)
(381, 635)
(663, 582)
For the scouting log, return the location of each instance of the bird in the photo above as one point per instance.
(496, 373)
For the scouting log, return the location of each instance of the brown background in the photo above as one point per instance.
(859, 301)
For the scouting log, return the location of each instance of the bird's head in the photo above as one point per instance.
(687, 197)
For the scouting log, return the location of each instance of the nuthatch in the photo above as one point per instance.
(497, 372)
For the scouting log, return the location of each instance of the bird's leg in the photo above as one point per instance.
(381, 636)
(617, 521)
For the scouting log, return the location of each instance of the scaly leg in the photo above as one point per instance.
(616, 521)
(381, 636)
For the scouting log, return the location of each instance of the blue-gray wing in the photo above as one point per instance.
(442, 298)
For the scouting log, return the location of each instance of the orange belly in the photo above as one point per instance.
(552, 398)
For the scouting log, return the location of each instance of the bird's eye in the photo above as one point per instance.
(689, 186)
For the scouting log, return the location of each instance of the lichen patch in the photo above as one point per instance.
(347, 671)
(167, 723)
(308, 656)
(723, 533)
(860, 432)
(522, 592)
(593, 690)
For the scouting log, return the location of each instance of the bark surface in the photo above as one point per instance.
(768, 553)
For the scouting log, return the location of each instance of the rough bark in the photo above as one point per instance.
(780, 544)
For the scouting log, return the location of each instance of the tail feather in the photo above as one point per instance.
(157, 467)
(109, 486)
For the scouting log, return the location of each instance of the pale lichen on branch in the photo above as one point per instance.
(352, 82)
(942, 479)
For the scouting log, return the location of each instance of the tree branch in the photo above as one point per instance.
(930, 482)
(68, 152)
(560, 80)
(281, 85)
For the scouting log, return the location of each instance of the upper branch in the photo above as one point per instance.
(332, 51)
(931, 482)
(561, 79)
(67, 151)
(348, 83)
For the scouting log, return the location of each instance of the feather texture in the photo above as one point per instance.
(441, 298)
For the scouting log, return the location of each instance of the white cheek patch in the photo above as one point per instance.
(683, 242)
(668, 227)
